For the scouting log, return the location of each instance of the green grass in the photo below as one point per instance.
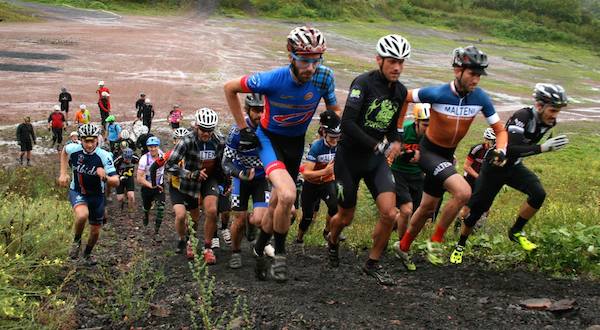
(142, 7)
(11, 14)
(35, 232)
(566, 227)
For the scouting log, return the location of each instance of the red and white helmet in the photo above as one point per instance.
(305, 40)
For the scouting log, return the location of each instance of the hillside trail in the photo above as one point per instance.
(319, 297)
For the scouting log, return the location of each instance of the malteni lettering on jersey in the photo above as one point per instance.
(325, 158)
(458, 111)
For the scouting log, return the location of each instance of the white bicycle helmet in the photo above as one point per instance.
(82, 106)
(125, 135)
(489, 134)
(101, 83)
(147, 101)
(305, 40)
(180, 132)
(140, 130)
(394, 46)
(56, 107)
(206, 118)
(88, 130)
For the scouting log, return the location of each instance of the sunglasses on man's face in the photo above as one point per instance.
(304, 62)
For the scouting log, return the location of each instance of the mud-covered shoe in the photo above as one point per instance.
(215, 243)
(333, 254)
(434, 253)
(236, 261)
(226, 234)
(457, 255)
(377, 271)
(209, 257)
(260, 270)
(279, 268)
(521, 238)
(189, 251)
(404, 257)
(180, 247)
(89, 260)
(269, 251)
(74, 251)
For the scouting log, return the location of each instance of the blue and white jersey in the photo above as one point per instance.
(290, 105)
(321, 154)
(243, 160)
(84, 166)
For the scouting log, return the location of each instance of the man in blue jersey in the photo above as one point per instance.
(93, 169)
(292, 94)
(248, 181)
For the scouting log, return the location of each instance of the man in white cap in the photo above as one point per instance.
(56, 124)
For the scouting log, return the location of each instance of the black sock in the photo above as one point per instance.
(88, 250)
(279, 242)
(223, 225)
(261, 242)
(519, 224)
(462, 241)
(77, 238)
(372, 263)
(236, 251)
(215, 235)
(325, 232)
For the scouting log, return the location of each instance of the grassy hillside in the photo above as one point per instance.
(137, 7)
(542, 20)
(10, 13)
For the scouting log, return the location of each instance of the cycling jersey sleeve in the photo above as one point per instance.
(350, 117)
(259, 82)
(313, 153)
(517, 147)
(73, 147)
(487, 108)
(228, 166)
(425, 95)
(473, 152)
(324, 80)
(160, 162)
(107, 162)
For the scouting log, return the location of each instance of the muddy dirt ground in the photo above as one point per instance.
(186, 60)
(319, 297)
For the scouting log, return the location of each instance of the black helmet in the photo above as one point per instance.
(470, 57)
(254, 100)
(550, 94)
(330, 122)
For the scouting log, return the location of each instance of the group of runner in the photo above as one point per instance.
(407, 167)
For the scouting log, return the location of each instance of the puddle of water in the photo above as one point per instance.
(33, 56)
(27, 68)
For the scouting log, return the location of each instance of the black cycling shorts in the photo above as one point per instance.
(438, 165)
(313, 194)
(177, 197)
(151, 195)
(286, 149)
(241, 191)
(350, 168)
(224, 204)
(492, 178)
(126, 185)
(409, 188)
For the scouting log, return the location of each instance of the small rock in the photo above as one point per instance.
(539, 304)
(593, 327)
(236, 323)
(483, 300)
(160, 310)
(395, 322)
(562, 305)
(330, 302)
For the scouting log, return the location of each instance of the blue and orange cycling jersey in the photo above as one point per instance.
(290, 105)
(321, 154)
(452, 115)
(84, 166)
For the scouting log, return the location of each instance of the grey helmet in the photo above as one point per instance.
(550, 94)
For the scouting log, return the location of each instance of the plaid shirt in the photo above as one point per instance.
(197, 155)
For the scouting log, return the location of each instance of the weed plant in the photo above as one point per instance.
(35, 232)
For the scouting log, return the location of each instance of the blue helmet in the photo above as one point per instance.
(153, 141)
(127, 154)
